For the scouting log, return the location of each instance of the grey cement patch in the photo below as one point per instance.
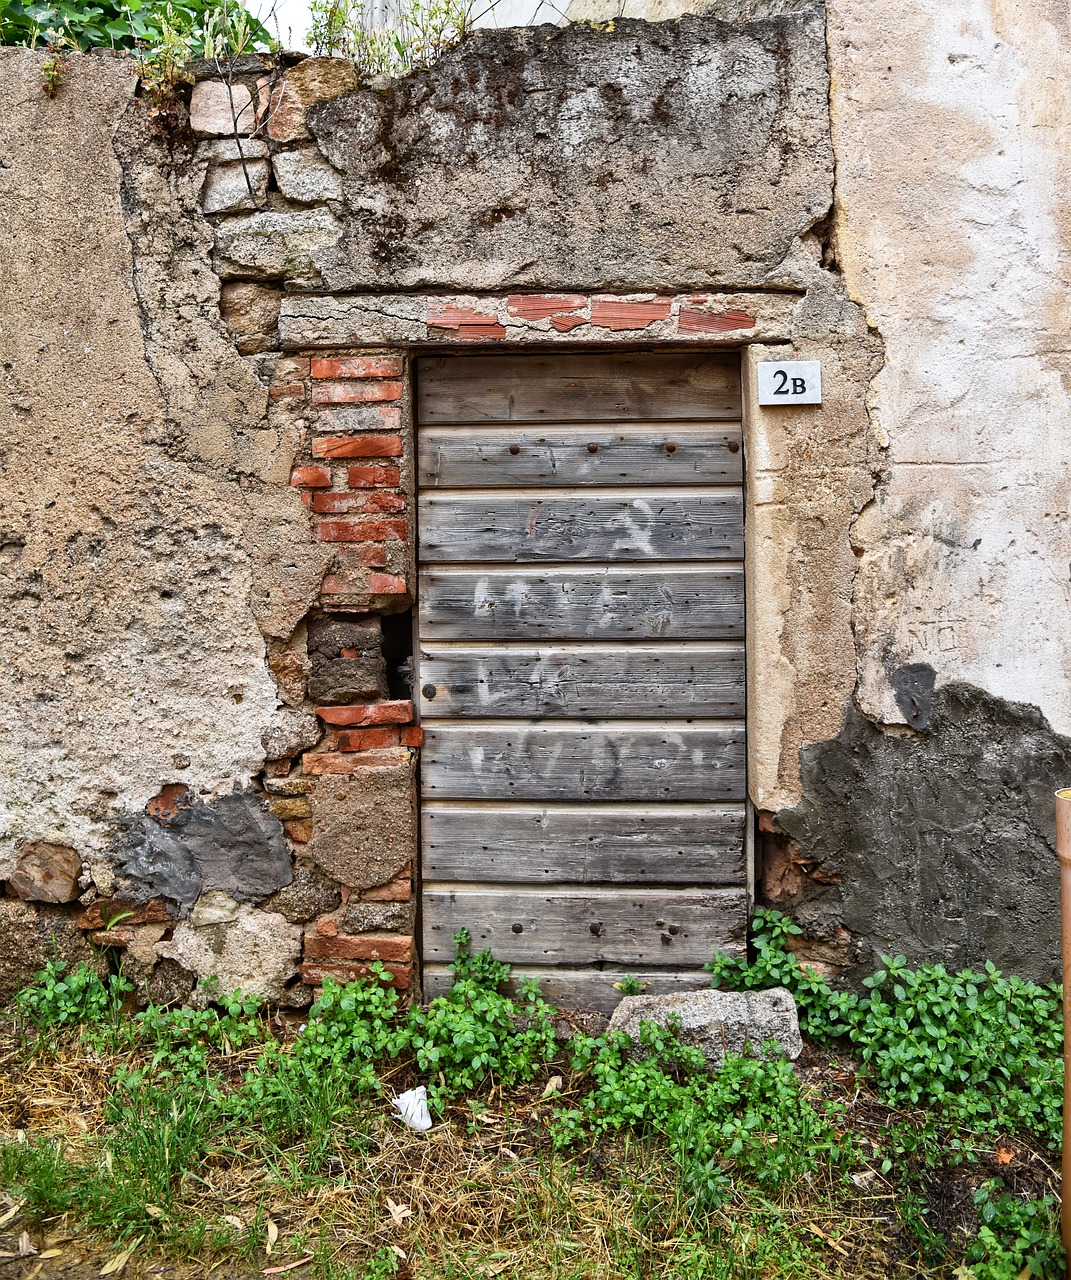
(235, 845)
(942, 841)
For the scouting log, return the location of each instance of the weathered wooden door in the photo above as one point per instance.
(581, 666)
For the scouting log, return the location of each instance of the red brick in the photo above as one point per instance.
(97, 914)
(313, 973)
(288, 391)
(538, 306)
(465, 322)
(618, 313)
(306, 497)
(299, 830)
(361, 504)
(692, 321)
(119, 937)
(355, 392)
(367, 739)
(412, 736)
(374, 477)
(566, 323)
(360, 417)
(358, 367)
(357, 447)
(399, 890)
(386, 584)
(311, 477)
(316, 763)
(326, 926)
(361, 531)
(365, 946)
(398, 711)
(171, 798)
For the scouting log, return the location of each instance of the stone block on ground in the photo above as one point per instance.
(718, 1022)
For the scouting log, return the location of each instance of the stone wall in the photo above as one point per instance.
(208, 476)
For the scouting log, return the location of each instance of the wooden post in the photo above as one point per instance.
(1063, 851)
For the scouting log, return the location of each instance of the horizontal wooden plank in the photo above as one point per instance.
(666, 928)
(578, 388)
(585, 989)
(677, 602)
(650, 453)
(567, 760)
(650, 681)
(563, 844)
(577, 524)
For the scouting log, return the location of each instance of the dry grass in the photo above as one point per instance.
(482, 1194)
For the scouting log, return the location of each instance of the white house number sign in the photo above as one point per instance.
(790, 382)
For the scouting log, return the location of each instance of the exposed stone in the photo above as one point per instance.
(292, 732)
(603, 140)
(46, 873)
(309, 895)
(364, 825)
(235, 844)
(305, 176)
(30, 936)
(347, 663)
(276, 244)
(232, 187)
(168, 983)
(219, 110)
(288, 662)
(373, 917)
(718, 1022)
(257, 953)
(251, 313)
(227, 150)
(213, 907)
(312, 80)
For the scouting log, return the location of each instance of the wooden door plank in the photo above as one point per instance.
(585, 988)
(583, 680)
(649, 453)
(665, 928)
(562, 760)
(604, 602)
(596, 386)
(604, 844)
(577, 524)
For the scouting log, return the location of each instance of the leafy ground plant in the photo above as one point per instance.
(227, 1138)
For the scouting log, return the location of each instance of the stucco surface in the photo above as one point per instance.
(952, 126)
(130, 654)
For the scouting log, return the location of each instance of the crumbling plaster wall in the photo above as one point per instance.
(143, 492)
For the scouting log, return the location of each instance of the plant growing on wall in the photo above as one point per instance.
(126, 25)
(422, 31)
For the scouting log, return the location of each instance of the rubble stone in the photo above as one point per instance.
(276, 244)
(309, 895)
(215, 106)
(30, 936)
(257, 953)
(364, 825)
(305, 176)
(232, 187)
(46, 873)
(251, 313)
(312, 80)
